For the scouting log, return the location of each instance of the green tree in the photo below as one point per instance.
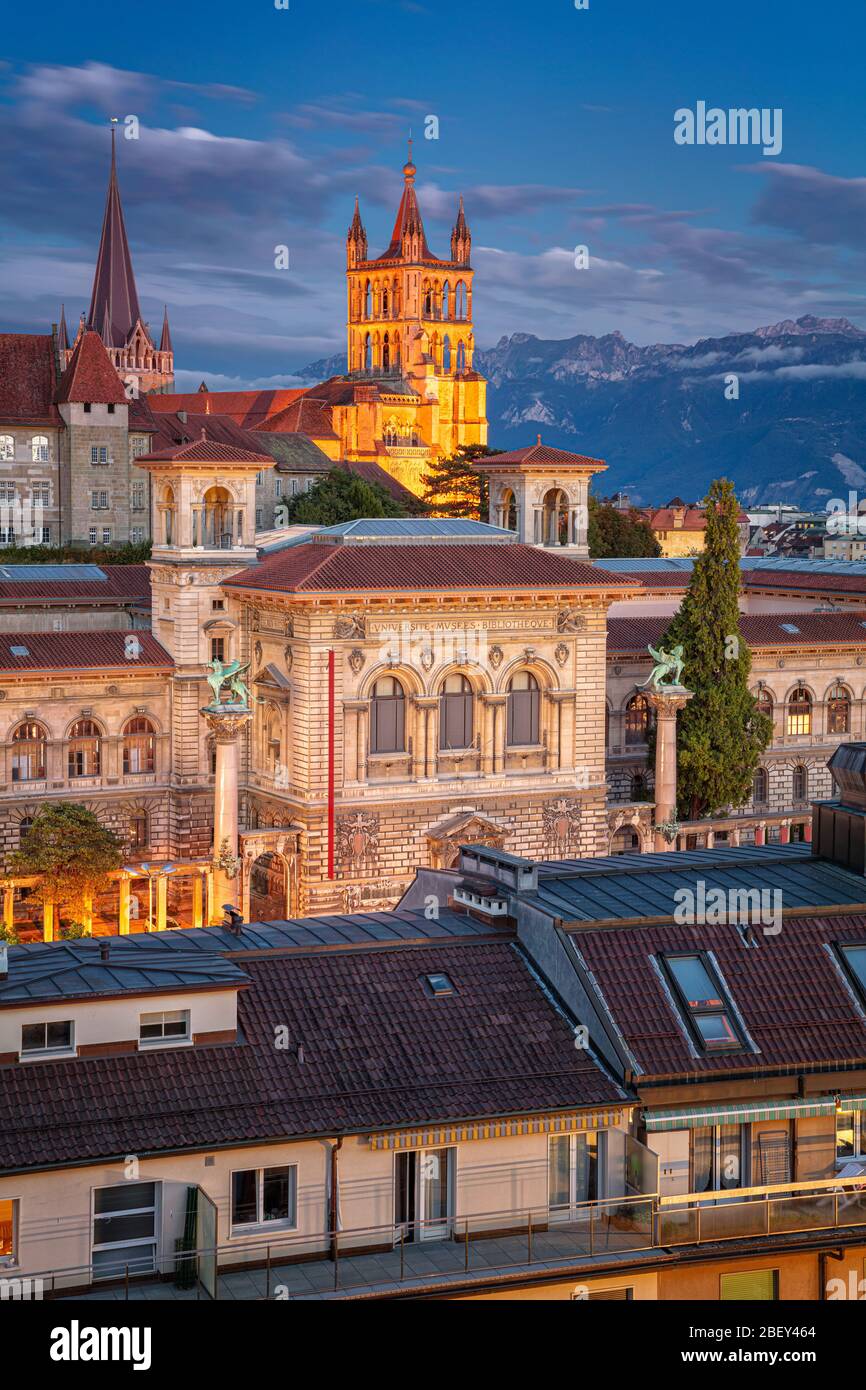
(341, 496)
(721, 734)
(72, 854)
(613, 532)
(453, 488)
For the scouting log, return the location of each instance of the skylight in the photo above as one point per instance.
(790, 627)
(854, 958)
(439, 984)
(702, 1003)
(19, 651)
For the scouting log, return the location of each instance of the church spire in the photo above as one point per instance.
(461, 237)
(408, 239)
(356, 242)
(165, 340)
(114, 308)
(62, 332)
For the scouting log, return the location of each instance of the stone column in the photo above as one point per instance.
(225, 723)
(666, 701)
(498, 703)
(123, 906)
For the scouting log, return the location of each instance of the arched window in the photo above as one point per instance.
(139, 829)
(84, 749)
(368, 353)
(428, 303)
(217, 519)
(508, 513)
(39, 448)
(800, 711)
(455, 713)
(524, 710)
(555, 518)
(838, 710)
(386, 353)
(460, 300)
(29, 742)
(764, 702)
(637, 719)
(639, 786)
(385, 303)
(139, 745)
(446, 354)
(800, 783)
(388, 716)
(7, 447)
(167, 508)
(761, 787)
(368, 301)
(461, 356)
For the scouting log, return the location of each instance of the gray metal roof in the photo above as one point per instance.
(345, 929)
(634, 886)
(52, 574)
(647, 564)
(53, 971)
(454, 528)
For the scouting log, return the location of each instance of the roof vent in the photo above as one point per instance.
(234, 920)
(104, 950)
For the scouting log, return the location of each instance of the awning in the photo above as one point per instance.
(697, 1116)
(439, 1136)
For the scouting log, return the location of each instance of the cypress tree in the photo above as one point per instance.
(721, 734)
(453, 488)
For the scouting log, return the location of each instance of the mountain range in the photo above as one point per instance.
(668, 418)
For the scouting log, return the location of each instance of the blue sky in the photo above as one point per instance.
(258, 126)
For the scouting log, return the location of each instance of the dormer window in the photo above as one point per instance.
(162, 1029)
(47, 1039)
(702, 1003)
(439, 985)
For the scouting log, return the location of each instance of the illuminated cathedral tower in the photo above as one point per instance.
(114, 309)
(410, 322)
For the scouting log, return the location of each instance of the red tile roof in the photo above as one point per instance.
(90, 377)
(541, 454)
(121, 582)
(758, 630)
(791, 997)
(317, 567)
(690, 518)
(307, 415)
(205, 451)
(27, 380)
(815, 583)
(379, 1053)
(248, 408)
(79, 651)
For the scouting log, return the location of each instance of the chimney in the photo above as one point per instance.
(104, 950)
(839, 826)
(182, 416)
(490, 877)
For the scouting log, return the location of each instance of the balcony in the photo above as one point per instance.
(382, 1261)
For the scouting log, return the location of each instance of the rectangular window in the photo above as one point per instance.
(98, 500)
(136, 535)
(46, 535)
(278, 487)
(751, 1286)
(259, 518)
(98, 454)
(40, 493)
(8, 1232)
(92, 535)
(41, 1039)
(106, 535)
(168, 1026)
(264, 1197)
(7, 492)
(137, 497)
(702, 1003)
(124, 1230)
(573, 1170)
(850, 1134)
(260, 477)
(217, 649)
(717, 1157)
(138, 831)
(139, 447)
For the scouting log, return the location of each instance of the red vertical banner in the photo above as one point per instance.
(331, 776)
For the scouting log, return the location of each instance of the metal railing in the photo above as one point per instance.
(393, 1256)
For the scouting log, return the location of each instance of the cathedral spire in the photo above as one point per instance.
(408, 239)
(62, 332)
(461, 237)
(165, 340)
(114, 308)
(356, 242)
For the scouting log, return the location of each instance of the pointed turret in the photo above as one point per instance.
(114, 308)
(62, 334)
(165, 340)
(356, 242)
(461, 238)
(408, 239)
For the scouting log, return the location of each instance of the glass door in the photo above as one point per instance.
(423, 1193)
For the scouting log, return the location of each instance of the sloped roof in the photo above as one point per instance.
(203, 450)
(75, 651)
(27, 380)
(74, 583)
(114, 308)
(90, 377)
(794, 630)
(319, 567)
(379, 1052)
(247, 408)
(541, 454)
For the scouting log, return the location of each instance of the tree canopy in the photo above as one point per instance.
(341, 496)
(614, 532)
(453, 488)
(71, 852)
(721, 734)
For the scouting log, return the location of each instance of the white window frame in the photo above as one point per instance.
(428, 1228)
(93, 535)
(166, 1015)
(137, 1241)
(859, 1154)
(106, 535)
(41, 1053)
(289, 1223)
(559, 1212)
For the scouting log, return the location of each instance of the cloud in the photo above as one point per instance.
(815, 206)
